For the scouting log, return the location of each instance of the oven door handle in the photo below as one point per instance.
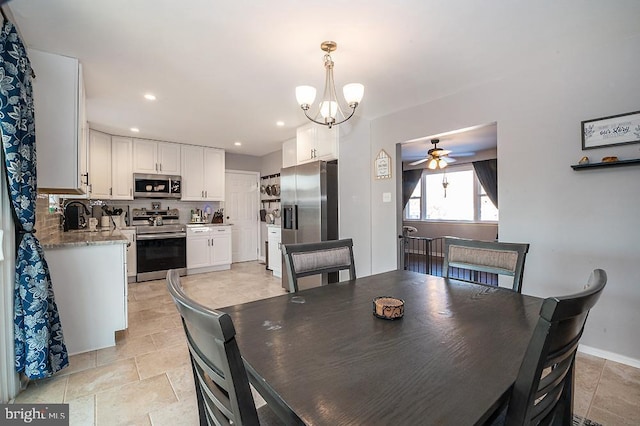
(161, 236)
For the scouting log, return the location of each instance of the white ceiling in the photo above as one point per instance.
(226, 71)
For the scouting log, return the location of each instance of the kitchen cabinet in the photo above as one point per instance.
(315, 142)
(110, 167)
(275, 252)
(289, 153)
(121, 168)
(154, 157)
(208, 248)
(59, 107)
(203, 173)
(90, 285)
(131, 253)
(99, 165)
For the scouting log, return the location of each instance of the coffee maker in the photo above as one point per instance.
(74, 216)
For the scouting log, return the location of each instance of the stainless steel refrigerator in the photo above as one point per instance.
(309, 205)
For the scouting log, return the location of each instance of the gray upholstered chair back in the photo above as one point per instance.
(543, 390)
(485, 256)
(302, 260)
(221, 380)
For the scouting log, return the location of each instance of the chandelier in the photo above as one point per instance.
(329, 110)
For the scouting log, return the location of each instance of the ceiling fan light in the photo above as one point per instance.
(305, 96)
(442, 164)
(353, 93)
(432, 164)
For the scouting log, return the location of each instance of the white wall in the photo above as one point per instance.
(574, 221)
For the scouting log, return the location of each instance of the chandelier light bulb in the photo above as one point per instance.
(328, 109)
(353, 94)
(305, 96)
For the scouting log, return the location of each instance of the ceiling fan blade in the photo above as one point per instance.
(415, 163)
(463, 154)
(449, 159)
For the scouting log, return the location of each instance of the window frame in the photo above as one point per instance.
(477, 197)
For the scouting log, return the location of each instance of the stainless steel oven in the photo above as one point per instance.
(161, 243)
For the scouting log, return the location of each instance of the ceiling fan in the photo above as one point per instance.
(437, 158)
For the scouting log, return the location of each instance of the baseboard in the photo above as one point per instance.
(611, 356)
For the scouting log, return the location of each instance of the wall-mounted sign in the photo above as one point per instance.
(608, 131)
(382, 165)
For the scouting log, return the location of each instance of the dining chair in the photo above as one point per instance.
(304, 259)
(543, 391)
(473, 257)
(222, 384)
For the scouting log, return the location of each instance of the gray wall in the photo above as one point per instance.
(575, 221)
(243, 162)
(354, 177)
(271, 163)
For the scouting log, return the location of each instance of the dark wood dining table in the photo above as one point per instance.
(450, 360)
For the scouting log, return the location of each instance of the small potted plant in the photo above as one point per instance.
(217, 216)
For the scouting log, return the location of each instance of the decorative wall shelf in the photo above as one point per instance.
(618, 163)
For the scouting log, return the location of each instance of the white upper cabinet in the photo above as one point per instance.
(153, 157)
(214, 174)
(121, 168)
(169, 158)
(110, 167)
(99, 165)
(315, 142)
(203, 173)
(59, 116)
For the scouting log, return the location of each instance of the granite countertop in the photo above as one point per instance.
(208, 224)
(82, 238)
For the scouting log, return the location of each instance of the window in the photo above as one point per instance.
(463, 199)
(415, 203)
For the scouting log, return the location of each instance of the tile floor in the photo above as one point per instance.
(146, 378)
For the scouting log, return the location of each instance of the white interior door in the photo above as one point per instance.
(241, 208)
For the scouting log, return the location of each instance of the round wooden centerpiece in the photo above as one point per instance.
(387, 307)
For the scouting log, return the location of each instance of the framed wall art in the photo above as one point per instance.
(382, 165)
(614, 130)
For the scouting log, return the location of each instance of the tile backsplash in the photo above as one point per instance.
(46, 222)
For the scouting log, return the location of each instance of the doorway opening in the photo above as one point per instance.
(453, 195)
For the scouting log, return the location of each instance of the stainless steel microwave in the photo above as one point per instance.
(156, 186)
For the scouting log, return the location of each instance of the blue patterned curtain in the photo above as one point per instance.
(39, 344)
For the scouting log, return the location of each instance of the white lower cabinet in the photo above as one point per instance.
(275, 253)
(131, 253)
(90, 286)
(208, 248)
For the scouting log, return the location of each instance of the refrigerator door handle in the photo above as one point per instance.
(295, 217)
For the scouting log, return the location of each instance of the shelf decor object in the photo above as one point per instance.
(329, 108)
(618, 129)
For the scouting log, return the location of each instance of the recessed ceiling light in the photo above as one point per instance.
(237, 143)
(134, 129)
(279, 123)
(150, 97)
